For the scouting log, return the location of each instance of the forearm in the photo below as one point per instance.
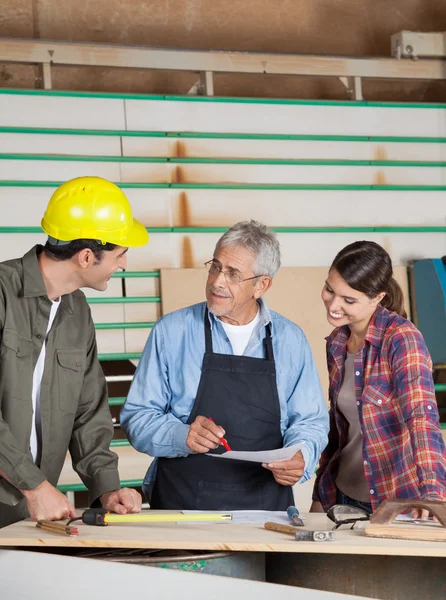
(429, 457)
(16, 467)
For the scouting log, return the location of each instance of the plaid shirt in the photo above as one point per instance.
(403, 449)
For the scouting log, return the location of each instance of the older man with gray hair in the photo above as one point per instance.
(228, 366)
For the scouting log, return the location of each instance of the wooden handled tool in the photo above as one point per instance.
(59, 528)
(382, 523)
(300, 534)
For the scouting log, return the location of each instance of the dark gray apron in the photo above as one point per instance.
(240, 394)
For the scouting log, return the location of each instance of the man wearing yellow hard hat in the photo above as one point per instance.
(53, 394)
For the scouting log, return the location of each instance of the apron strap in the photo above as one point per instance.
(207, 332)
(269, 354)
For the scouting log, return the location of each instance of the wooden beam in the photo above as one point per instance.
(64, 53)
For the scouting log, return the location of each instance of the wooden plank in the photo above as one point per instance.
(223, 148)
(60, 144)
(295, 294)
(221, 536)
(179, 115)
(64, 53)
(400, 531)
(62, 112)
(49, 170)
(310, 208)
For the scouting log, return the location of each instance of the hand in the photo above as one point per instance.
(46, 503)
(287, 472)
(418, 513)
(316, 507)
(123, 501)
(204, 435)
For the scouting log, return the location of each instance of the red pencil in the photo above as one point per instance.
(223, 441)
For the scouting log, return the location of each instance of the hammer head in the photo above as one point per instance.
(315, 536)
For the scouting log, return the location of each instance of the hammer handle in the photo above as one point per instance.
(279, 527)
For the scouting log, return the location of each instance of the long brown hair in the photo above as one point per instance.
(366, 267)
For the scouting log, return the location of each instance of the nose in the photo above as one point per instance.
(335, 305)
(123, 261)
(220, 280)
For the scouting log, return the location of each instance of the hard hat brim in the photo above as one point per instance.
(138, 236)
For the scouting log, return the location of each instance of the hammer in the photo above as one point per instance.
(302, 535)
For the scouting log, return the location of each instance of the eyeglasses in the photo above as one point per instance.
(344, 514)
(232, 277)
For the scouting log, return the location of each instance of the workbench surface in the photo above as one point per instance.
(216, 536)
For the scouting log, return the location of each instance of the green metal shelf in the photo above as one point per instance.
(241, 186)
(133, 274)
(119, 443)
(226, 136)
(123, 299)
(80, 487)
(100, 326)
(440, 387)
(116, 401)
(224, 161)
(219, 99)
(348, 229)
(120, 356)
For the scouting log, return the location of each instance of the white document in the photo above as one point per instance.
(406, 517)
(264, 456)
(247, 517)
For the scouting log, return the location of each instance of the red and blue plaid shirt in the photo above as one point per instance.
(403, 449)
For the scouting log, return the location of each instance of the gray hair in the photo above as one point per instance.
(257, 238)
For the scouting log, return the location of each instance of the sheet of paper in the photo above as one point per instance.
(264, 456)
(426, 522)
(248, 517)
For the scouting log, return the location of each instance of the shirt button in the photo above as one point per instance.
(372, 491)
(357, 402)
(429, 407)
(358, 373)
(365, 462)
(380, 401)
(38, 336)
(78, 364)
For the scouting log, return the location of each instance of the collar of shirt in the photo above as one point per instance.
(264, 318)
(33, 284)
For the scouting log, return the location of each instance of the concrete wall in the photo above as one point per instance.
(354, 27)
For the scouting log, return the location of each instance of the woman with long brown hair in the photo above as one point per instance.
(385, 439)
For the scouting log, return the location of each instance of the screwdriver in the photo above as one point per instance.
(293, 515)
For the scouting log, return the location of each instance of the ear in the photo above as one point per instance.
(262, 286)
(378, 298)
(84, 258)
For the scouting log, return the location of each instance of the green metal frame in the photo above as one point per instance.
(124, 299)
(241, 186)
(305, 137)
(135, 325)
(120, 356)
(224, 161)
(219, 100)
(322, 229)
(80, 487)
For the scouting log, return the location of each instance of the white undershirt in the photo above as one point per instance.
(36, 426)
(239, 335)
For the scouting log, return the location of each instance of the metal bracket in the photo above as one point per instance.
(204, 86)
(46, 76)
(353, 86)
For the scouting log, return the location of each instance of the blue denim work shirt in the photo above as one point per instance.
(166, 381)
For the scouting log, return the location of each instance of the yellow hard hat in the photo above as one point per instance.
(92, 208)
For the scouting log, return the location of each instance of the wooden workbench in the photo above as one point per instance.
(217, 536)
(353, 563)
